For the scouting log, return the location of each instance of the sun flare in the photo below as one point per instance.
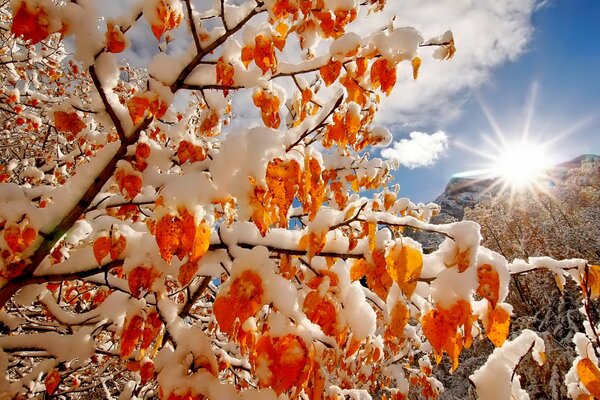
(521, 164)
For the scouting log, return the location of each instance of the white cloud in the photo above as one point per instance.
(487, 35)
(420, 150)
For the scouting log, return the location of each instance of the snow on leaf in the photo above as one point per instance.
(52, 381)
(590, 376)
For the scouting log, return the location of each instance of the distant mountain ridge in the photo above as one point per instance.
(461, 193)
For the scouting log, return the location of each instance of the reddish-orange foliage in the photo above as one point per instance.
(129, 184)
(383, 73)
(115, 39)
(264, 53)
(31, 23)
(52, 381)
(287, 360)
(152, 328)
(130, 337)
(378, 278)
(269, 104)
(169, 19)
(330, 71)
(105, 245)
(188, 152)
(241, 302)
(321, 311)
(141, 278)
(17, 239)
(225, 72)
(68, 122)
(489, 283)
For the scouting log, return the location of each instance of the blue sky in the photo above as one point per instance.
(560, 64)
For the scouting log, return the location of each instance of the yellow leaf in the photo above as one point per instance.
(398, 319)
(590, 376)
(404, 264)
(416, 63)
(497, 325)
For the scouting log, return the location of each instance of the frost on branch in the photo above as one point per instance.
(159, 240)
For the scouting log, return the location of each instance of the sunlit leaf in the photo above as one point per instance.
(589, 375)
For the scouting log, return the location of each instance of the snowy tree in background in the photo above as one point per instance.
(152, 249)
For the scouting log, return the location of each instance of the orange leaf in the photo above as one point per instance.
(247, 56)
(404, 264)
(264, 53)
(17, 239)
(31, 22)
(383, 73)
(398, 319)
(416, 63)
(593, 281)
(102, 247)
(168, 234)
(241, 302)
(590, 376)
(115, 40)
(137, 107)
(187, 272)
(169, 18)
(140, 280)
(68, 122)
(321, 311)
(497, 325)
(129, 184)
(225, 72)
(330, 71)
(147, 372)
(440, 326)
(269, 105)
(132, 332)
(489, 283)
(118, 245)
(286, 358)
(152, 328)
(52, 381)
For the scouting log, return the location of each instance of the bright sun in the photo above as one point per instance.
(521, 164)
